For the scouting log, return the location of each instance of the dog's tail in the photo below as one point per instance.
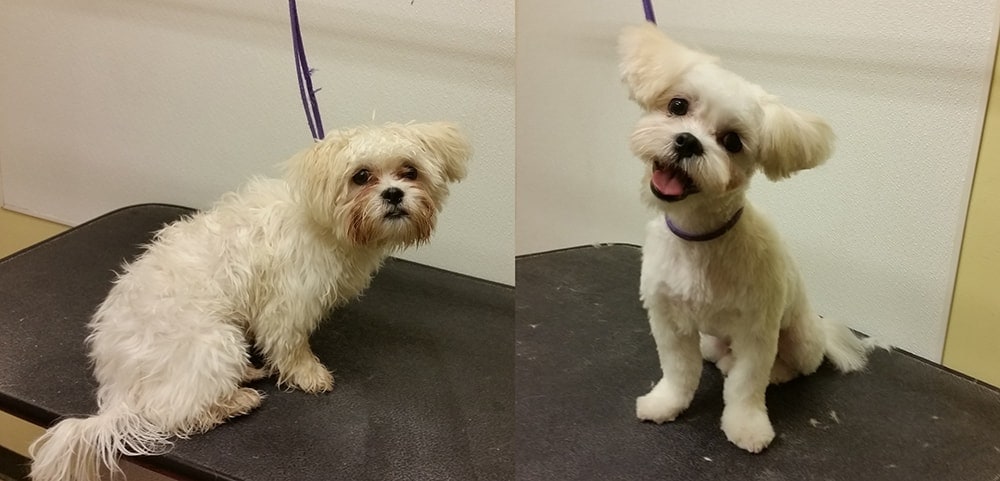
(80, 449)
(848, 352)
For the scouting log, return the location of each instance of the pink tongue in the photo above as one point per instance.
(667, 183)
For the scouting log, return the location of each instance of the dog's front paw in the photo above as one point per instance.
(661, 405)
(311, 377)
(748, 428)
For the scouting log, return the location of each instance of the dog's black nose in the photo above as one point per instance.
(687, 145)
(393, 195)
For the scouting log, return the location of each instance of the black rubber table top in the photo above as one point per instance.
(584, 352)
(422, 364)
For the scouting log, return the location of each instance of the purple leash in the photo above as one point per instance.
(647, 5)
(305, 77)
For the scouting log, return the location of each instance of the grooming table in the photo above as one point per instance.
(422, 365)
(584, 353)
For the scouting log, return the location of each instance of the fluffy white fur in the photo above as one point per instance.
(171, 343)
(737, 300)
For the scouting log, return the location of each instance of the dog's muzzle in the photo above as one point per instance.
(393, 196)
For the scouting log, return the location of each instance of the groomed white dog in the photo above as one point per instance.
(171, 343)
(715, 275)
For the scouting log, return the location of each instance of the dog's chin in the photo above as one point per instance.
(670, 183)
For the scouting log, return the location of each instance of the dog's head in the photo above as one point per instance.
(380, 186)
(705, 130)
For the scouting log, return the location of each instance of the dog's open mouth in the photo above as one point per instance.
(670, 183)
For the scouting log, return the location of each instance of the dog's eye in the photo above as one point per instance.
(678, 106)
(731, 142)
(409, 172)
(361, 177)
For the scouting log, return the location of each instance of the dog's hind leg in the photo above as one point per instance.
(801, 343)
(780, 371)
(192, 382)
(717, 350)
(800, 348)
(252, 373)
(712, 348)
(237, 403)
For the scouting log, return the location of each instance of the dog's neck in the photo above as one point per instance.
(696, 220)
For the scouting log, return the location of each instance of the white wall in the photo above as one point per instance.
(108, 103)
(876, 231)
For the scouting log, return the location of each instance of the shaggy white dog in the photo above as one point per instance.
(711, 263)
(171, 343)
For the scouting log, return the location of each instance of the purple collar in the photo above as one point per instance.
(715, 234)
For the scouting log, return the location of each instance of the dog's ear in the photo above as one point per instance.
(315, 175)
(651, 62)
(446, 143)
(792, 140)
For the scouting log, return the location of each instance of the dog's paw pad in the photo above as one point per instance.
(750, 429)
(658, 408)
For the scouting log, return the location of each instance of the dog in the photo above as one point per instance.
(171, 343)
(716, 281)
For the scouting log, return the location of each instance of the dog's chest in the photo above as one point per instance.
(697, 299)
(704, 279)
(676, 274)
(352, 276)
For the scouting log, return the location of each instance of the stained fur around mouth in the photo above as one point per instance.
(689, 186)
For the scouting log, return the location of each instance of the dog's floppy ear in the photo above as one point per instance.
(651, 62)
(444, 140)
(313, 174)
(792, 140)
